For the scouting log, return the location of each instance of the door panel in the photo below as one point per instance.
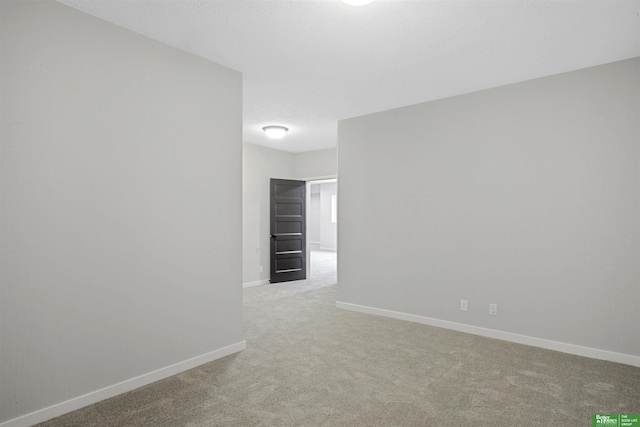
(288, 209)
(288, 230)
(285, 227)
(288, 246)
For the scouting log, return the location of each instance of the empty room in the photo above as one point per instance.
(322, 212)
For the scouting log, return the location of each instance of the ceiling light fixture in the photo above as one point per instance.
(275, 132)
(357, 2)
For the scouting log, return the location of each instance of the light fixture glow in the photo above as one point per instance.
(275, 132)
(357, 2)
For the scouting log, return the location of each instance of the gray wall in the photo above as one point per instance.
(525, 195)
(328, 229)
(313, 217)
(316, 164)
(322, 232)
(121, 206)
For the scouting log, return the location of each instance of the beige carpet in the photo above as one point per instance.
(310, 364)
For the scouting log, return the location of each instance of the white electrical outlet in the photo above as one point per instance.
(493, 309)
(463, 304)
(261, 269)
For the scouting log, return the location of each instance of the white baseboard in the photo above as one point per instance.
(256, 283)
(121, 387)
(593, 353)
(329, 249)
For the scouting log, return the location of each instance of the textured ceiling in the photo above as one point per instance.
(308, 64)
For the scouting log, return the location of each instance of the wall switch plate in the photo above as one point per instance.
(463, 304)
(493, 309)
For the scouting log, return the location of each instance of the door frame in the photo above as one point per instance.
(309, 181)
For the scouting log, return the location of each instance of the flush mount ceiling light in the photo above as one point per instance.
(357, 2)
(275, 132)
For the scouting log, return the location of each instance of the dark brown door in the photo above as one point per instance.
(288, 230)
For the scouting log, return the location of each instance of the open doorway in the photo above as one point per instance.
(322, 229)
